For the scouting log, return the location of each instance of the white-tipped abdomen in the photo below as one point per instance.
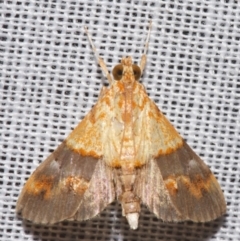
(133, 220)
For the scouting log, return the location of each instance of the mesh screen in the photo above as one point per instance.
(50, 80)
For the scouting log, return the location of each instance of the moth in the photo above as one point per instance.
(123, 149)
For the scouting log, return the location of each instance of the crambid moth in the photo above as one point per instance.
(123, 149)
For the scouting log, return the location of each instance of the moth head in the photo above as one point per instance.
(126, 70)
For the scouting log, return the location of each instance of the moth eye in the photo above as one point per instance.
(136, 72)
(117, 72)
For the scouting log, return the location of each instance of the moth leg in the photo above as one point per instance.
(144, 56)
(99, 59)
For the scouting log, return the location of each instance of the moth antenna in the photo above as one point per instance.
(144, 56)
(99, 59)
(148, 37)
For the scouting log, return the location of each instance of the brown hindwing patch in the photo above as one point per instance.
(55, 190)
(193, 189)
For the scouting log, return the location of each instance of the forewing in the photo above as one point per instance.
(54, 191)
(194, 191)
(175, 183)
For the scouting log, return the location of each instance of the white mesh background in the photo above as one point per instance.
(50, 80)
